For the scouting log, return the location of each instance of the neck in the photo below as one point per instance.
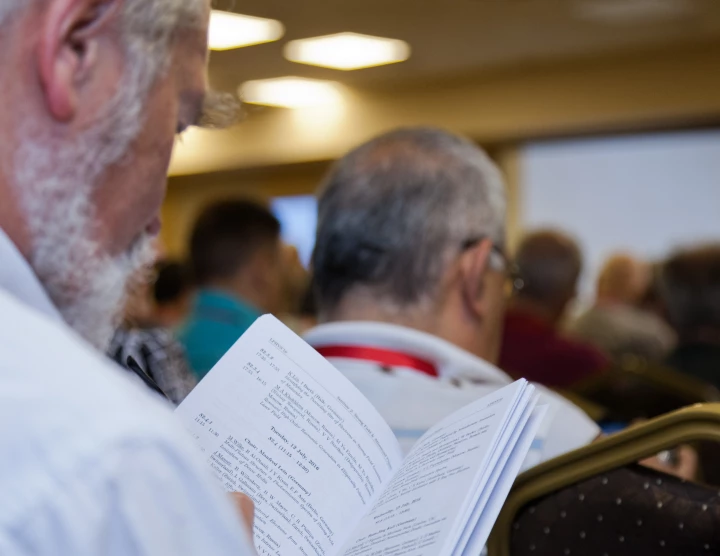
(438, 321)
(540, 311)
(368, 312)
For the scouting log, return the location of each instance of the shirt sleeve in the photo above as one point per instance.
(141, 499)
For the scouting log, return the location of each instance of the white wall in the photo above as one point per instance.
(643, 193)
(298, 220)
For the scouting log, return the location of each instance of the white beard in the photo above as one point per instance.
(88, 288)
(56, 183)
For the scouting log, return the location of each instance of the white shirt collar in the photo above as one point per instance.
(18, 279)
(451, 361)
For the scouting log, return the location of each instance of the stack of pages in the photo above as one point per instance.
(278, 422)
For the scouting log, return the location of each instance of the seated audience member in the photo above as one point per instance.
(172, 293)
(651, 300)
(92, 463)
(305, 317)
(308, 313)
(548, 267)
(236, 260)
(151, 345)
(409, 272)
(616, 324)
(690, 287)
(296, 280)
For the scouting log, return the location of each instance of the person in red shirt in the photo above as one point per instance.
(548, 267)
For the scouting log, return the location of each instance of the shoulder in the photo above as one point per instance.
(48, 363)
(139, 497)
(69, 407)
(593, 318)
(572, 352)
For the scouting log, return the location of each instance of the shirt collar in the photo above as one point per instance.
(451, 361)
(19, 280)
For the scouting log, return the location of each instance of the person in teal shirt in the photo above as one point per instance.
(236, 260)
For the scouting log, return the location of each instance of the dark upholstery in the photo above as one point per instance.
(637, 390)
(631, 511)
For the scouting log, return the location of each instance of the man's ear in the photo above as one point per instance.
(474, 265)
(68, 49)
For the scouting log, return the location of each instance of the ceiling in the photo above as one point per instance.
(463, 37)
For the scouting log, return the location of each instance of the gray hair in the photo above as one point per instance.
(56, 177)
(395, 211)
(149, 26)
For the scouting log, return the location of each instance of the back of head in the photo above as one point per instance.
(690, 288)
(623, 279)
(548, 265)
(394, 211)
(172, 282)
(226, 238)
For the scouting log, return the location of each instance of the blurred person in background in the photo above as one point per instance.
(296, 278)
(617, 324)
(237, 261)
(90, 461)
(308, 314)
(296, 283)
(690, 288)
(305, 317)
(548, 265)
(149, 342)
(172, 293)
(409, 271)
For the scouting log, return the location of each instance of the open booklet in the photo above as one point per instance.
(278, 422)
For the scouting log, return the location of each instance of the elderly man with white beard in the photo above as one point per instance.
(93, 93)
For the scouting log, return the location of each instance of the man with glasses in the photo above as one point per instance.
(410, 275)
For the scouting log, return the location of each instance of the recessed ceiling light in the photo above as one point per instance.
(230, 30)
(290, 92)
(347, 51)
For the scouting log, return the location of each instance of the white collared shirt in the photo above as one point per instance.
(411, 402)
(91, 463)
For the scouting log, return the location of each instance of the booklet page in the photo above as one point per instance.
(423, 503)
(493, 499)
(276, 421)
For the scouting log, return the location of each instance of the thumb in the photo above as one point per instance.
(246, 508)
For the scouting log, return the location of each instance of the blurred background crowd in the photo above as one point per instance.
(600, 114)
(662, 313)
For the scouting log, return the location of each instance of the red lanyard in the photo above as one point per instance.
(383, 357)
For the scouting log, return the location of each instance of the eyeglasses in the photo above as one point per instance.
(500, 262)
(498, 259)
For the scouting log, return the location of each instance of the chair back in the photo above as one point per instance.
(611, 461)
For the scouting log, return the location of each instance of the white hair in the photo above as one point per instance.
(395, 211)
(56, 178)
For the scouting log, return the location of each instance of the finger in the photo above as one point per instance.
(246, 507)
